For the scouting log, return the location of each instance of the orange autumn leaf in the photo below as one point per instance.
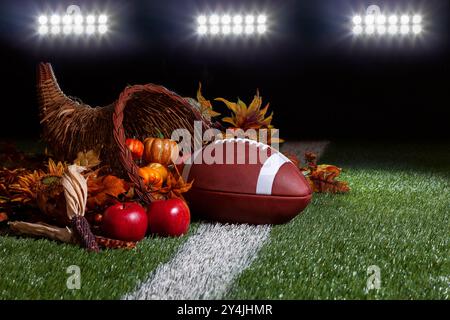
(206, 108)
(322, 177)
(103, 189)
(175, 187)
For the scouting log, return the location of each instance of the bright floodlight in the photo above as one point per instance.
(393, 29)
(381, 19)
(375, 22)
(381, 29)
(78, 19)
(261, 19)
(202, 19)
(237, 19)
(67, 19)
(357, 30)
(215, 29)
(67, 29)
(404, 29)
(226, 19)
(357, 20)
(56, 30)
(202, 29)
(237, 29)
(226, 29)
(214, 19)
(43, 19)
(90, 19)
(393, 19)
(417, 29)
(370, 19)
(261, 28)
(404, 19)
(102, 29)
(227, 23)
(90, 29)
(78, 29)
(370, 30)
(43, 30)
(55, 19)
(249, 19)
(417, 19)
(102, 19)
(249, 29)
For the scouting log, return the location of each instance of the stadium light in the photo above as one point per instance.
(72, 22)
(226, 24)
(374, 22)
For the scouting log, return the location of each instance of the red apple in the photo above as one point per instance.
(125, 221)
(168, 217)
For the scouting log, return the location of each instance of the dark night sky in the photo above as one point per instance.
(320, 82)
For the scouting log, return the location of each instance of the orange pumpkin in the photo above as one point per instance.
(160, 150)
(136, 147)
(160, 168)
(151, 177)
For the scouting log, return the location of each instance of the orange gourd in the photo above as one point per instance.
(151, 177)
(160, 150)
(160, 168)
(136, 147)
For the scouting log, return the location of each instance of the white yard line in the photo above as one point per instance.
(208, 262)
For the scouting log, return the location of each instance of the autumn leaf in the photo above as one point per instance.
(88, 159)
(206, 109)
(174, 188)
(322, 178)
(251, 117)
(102, 190)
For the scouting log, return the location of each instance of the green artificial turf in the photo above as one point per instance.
(37, 269)
(397, 217)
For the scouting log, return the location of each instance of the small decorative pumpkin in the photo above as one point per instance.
(136, 147)
(151, 177)
(160, 150)
(160, 168)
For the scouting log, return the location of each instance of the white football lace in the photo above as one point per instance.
(243, 140)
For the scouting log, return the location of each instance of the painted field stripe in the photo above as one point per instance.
(206, 264)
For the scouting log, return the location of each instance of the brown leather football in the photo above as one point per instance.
(244, 181)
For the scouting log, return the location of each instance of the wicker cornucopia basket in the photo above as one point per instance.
(141, 111)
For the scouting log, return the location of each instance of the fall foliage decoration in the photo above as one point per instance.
(136, 147)
(89, 159)
(251, 117)
(206, 109)
(160, 150)
(151, 177)
(322, 178)
(174, 188)
(103, 190)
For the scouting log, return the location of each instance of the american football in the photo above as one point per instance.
(245, 182)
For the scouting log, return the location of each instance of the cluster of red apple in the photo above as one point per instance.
(129, 221)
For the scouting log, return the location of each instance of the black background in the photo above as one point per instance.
(320, 81)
